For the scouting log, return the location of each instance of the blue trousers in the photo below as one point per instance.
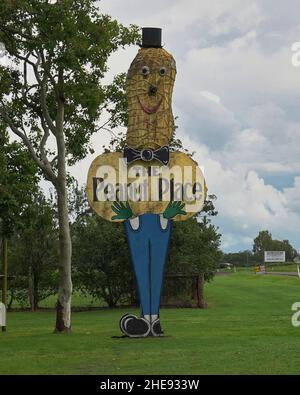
(149, 247)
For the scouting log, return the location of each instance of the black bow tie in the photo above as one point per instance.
(161, 154)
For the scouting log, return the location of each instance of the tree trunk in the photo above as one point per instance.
(5, 273)
(200, 292)
(35, 291)
(31, 288)
(11, 299)
(63, 306)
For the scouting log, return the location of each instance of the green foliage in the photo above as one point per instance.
(59, 54)
(117, 95)
(290, 252)
(101, 259)
(194, 248)
(33, 254)
(18, 180)
(264, 242)
(195, 243)
(241, 258)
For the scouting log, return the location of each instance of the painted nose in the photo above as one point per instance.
(152, 90)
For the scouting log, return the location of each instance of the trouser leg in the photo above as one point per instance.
(139, 250)
(158, 256)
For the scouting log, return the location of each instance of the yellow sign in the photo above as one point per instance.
(147, 186)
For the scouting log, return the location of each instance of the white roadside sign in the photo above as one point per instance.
(274, 256)
(2, 315)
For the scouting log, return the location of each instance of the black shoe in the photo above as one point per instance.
(135, 327)
(156, 328)
(123, 320)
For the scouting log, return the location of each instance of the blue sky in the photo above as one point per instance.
(237, 96)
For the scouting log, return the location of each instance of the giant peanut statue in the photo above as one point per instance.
(147, 186)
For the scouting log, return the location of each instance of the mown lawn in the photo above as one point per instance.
(245, 330)
(287, 267)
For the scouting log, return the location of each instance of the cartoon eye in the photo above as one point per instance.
(162, 71)
(145, 70)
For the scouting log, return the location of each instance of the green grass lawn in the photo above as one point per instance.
(288, 267)
(245, 330)
(282, 267)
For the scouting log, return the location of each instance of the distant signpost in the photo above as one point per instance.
(2, 315)
(261, 269)
(274, 256)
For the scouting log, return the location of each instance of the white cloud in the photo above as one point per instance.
(216, 16)
(210, 96)
(246, 204)
(292, 195)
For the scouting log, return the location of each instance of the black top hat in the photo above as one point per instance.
(151, 37)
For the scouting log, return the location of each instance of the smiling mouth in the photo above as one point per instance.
(150, 110)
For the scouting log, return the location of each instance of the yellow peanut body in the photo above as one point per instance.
(150, 117)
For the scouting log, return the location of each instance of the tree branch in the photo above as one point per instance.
(43, 166)
(54, 161)
(42, 82)
(46, 64)
(43, 142)
(8, 29)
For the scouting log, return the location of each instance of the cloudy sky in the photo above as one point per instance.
(237, 96)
